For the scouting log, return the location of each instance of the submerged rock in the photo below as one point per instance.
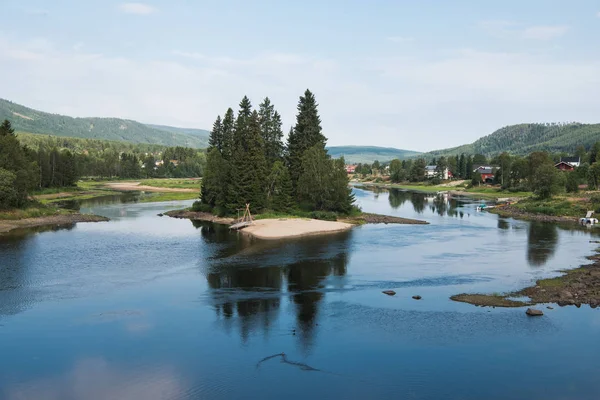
(532, 312)
(550, 308)
(417, 297)
(389, 292)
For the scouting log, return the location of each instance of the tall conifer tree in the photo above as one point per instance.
(307, 133)
(270, 128)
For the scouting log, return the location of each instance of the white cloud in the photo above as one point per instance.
(400, 39)
(545, 32)
(409, 102)
(137, 8)
(511, 29)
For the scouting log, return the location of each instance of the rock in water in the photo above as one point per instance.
(532, 312)
(389, 292)
(550, 308)
(417, 297)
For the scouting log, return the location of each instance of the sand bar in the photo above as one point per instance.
(54, 220)
(293, 227)
(138, 187)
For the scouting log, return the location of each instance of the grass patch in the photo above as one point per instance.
(158, 197)
(556, 207)
(183, 183)
(34, 210)
(487, 300)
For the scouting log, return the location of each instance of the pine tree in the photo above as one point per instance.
(270, 128)
(279, 190)
(215, 140)
(15, 162)
(228, 126)
(469, 168)
(215, 181)
(248, 173)
(307, 133)
(462, 166)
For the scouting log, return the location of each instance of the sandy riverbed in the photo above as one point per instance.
(293, 227)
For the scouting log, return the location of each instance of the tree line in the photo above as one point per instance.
(535, 172)
(30, 162)
(248, 163)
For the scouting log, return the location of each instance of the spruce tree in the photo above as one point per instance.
(228, 125)
(15, 162)
(270, 127)
(215, 140)
(248, 173)
(307, 133)
(468, 168)
(279, 190)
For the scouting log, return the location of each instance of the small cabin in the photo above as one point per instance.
(564, 166)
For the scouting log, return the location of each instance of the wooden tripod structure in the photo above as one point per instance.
(245, 221)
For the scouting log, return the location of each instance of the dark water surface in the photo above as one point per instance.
(144, 307)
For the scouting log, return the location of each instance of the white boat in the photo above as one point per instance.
(588, 220)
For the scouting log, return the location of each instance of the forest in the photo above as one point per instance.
(31, 163)
(26, 119)
(523, 139)
(248, 163)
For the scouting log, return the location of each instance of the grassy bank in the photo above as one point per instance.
(32, 210)
(176, 183)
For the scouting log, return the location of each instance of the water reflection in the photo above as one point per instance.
(441, 204)
(542, 239)
(251, 278)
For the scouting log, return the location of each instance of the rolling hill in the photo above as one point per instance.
(523, 139)
(32, 121)
(368, 154)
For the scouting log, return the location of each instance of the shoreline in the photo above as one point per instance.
(574, 287)
(294, 227)
(7, 226)
(516, 213)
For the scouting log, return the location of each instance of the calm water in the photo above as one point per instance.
(144, 307)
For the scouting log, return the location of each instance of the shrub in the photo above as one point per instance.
(201, 207)
(323, 215)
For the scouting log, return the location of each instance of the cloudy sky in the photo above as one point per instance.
(414, 75)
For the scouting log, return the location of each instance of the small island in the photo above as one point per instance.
(293, 189)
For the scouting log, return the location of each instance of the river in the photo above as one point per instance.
(145, 307)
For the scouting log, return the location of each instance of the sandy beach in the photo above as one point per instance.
(293, 227)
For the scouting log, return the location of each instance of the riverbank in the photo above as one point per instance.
(575, 287)
(7, 225)
(514, 211)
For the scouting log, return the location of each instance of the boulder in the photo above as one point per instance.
(550, 308)
(565, 294)
(532, 312)
(417, 297)
(389, 292)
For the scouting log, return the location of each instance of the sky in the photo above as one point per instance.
(413, 75)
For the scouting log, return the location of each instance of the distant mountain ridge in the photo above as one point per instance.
(368, 154)
(38, 122)
(523, 139)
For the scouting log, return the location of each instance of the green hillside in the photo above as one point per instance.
(368, 154)
(522, 139)
(28, 120)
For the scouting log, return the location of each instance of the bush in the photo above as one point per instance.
(323, 215)
(435, 180)
(201, 207)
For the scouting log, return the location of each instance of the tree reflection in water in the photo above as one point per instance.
(542, 240)
(251, 278)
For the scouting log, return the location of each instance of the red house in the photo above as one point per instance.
(564, 166)
(350, 169)
(487, 173)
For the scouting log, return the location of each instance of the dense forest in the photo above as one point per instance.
(523, 139)
(248, 163)
(34, 162)
(25, 119)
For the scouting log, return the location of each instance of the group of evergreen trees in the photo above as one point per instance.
(248, 163)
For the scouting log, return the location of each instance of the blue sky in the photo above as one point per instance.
(414, 75)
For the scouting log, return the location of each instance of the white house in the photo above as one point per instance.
(430, 172)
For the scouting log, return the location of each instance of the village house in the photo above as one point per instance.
(487, 173)
(568, 163)
(430, 172)
(350, 169)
